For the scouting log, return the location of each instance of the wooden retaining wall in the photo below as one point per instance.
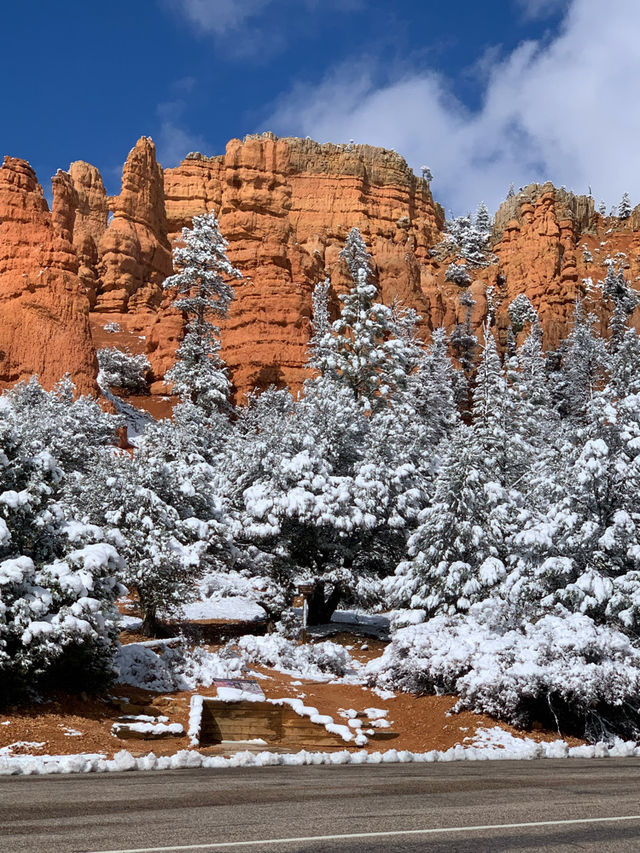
(275, 724)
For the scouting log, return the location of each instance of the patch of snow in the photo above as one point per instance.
(21, 744)
(97, 762)
(236, 608)
(147, 728)
(383, 693)
(322, 719)
(144, 718)
(236, 694)
(195, 719)
(129, 623)
(69, 732)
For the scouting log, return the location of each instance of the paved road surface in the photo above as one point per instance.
(391, 807)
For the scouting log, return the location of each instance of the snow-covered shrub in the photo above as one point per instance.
(562, 669)
(161, 507)
(521, 312)
(112, 327)
(312, 660)
(458, 274)
(167, 666)
(121, 369)
(68, 429)
(57, 620)
(57, 574)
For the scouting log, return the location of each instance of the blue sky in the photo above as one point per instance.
(484, 93)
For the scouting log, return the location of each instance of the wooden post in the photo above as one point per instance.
(304, 589)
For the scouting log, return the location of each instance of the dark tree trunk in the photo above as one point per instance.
(149, 622)
(322, 608)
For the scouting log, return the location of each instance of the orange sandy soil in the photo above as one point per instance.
(422, 722)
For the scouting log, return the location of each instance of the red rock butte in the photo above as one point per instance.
(286, 206)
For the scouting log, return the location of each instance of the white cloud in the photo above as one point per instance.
(220, 16)
(565, 110)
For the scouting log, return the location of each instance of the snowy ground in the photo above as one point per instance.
(325, 680)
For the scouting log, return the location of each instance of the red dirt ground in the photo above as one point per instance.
(422, 722)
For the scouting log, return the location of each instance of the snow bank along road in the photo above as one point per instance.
(505, 806)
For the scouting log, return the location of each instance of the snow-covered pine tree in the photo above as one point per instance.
(199, 375)
(483, 221)
(582, 370)
(354, 253)
(461, 548)
(368, 348)
(624, 366)
(466, 240)
(624, 208)
(119, 497)
(457, 552)
(458, 274)
(617, 291)
(294, 495)
(581, 549)
(432, 392)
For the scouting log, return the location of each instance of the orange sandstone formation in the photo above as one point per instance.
(45, 313)
(286, 206)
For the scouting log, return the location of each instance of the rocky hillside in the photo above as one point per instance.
(285, 205)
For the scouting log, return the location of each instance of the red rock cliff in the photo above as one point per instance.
(285, 205)
(44, 309)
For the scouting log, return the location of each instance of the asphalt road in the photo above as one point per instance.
(465, 806)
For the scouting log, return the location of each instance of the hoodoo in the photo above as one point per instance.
(285, 206)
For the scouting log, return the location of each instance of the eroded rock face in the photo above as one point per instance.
(286, 206)
(90, 222)
(550, 244)
(44, 310)
(134, 256)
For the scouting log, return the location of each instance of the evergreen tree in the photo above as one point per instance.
(199, 374)
(617, 291)
(463, 340)
(467, 240)
(582, 370)
(432, 392)
(624, 208)
(369, 348)
(521, 312)
(483, 221)
(354, 253)
(456, 552)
